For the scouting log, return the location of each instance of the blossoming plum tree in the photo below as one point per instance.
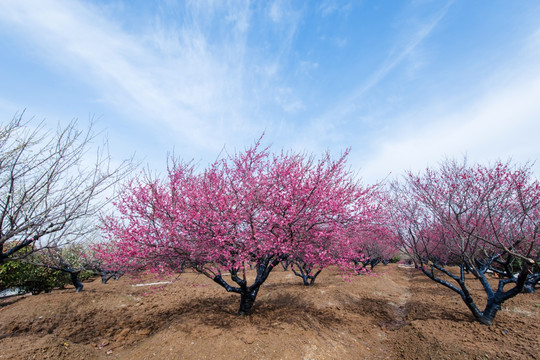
(252, 208)
(374, 247)
(363, 234)
(475, 218)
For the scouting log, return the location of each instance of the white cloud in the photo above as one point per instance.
(170, 78)
(306, 66)
(503, 123)
(330, 7)
(276, 11)
(287, 100)
(204, 85)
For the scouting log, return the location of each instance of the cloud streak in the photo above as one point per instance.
(394, 60)
(176, 78)
(196, 75)
(501, 123)
(329, 122)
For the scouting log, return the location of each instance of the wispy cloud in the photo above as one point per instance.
(288, 101)
(330, 7)
(276, 11)
(395, 59)
(500, 122)
(177, 78)
(286, 19)
(195, 75)
(329, 122)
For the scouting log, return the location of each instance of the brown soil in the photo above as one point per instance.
(396, 314)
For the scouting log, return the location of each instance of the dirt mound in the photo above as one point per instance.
(397, 313)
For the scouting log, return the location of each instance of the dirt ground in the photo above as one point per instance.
(398, 313)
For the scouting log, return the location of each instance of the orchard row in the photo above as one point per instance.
(258, 208)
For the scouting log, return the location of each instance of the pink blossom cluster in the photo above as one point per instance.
(245, 207)
(461, 211)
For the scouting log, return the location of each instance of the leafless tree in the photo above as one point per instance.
(51, 186)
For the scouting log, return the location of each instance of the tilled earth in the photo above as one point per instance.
(397, 313)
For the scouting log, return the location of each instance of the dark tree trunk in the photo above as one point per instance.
(308, 279)
(360, 267)
(489, 313)
(106, 275)
(487, 316)
(286, 264)
(248, 294)
(247, 299)
(494, 298)
(105, 278)
(305, 272)
(531, 283)
(311, 278)
(75, 281)
(374, 262)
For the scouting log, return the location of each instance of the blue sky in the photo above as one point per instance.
(402, 83)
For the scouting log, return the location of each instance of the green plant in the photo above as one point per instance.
(30, 278)
(86, 275)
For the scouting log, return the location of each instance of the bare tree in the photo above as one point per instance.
(50, 186)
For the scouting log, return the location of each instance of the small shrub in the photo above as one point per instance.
(86, 275)
(30, 278)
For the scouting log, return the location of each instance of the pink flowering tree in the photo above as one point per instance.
(100, 262)
(252, 208)
(475, 219)
(375, 247)
(362, 233)
(371, 241)
(78, 260)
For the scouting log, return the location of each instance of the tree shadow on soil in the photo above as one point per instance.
(216, 312)
(281, 308)
(419, 310)
(383, 313)
(379, 310)
(10, 300)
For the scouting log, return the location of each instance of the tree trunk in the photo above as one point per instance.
(489, 313)
(75, 281)
(305, 273)
(309, 280)
(495, 299)
(374, 262)
(248, 294)
(487, 316)
(246, 301)
(105, 276)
